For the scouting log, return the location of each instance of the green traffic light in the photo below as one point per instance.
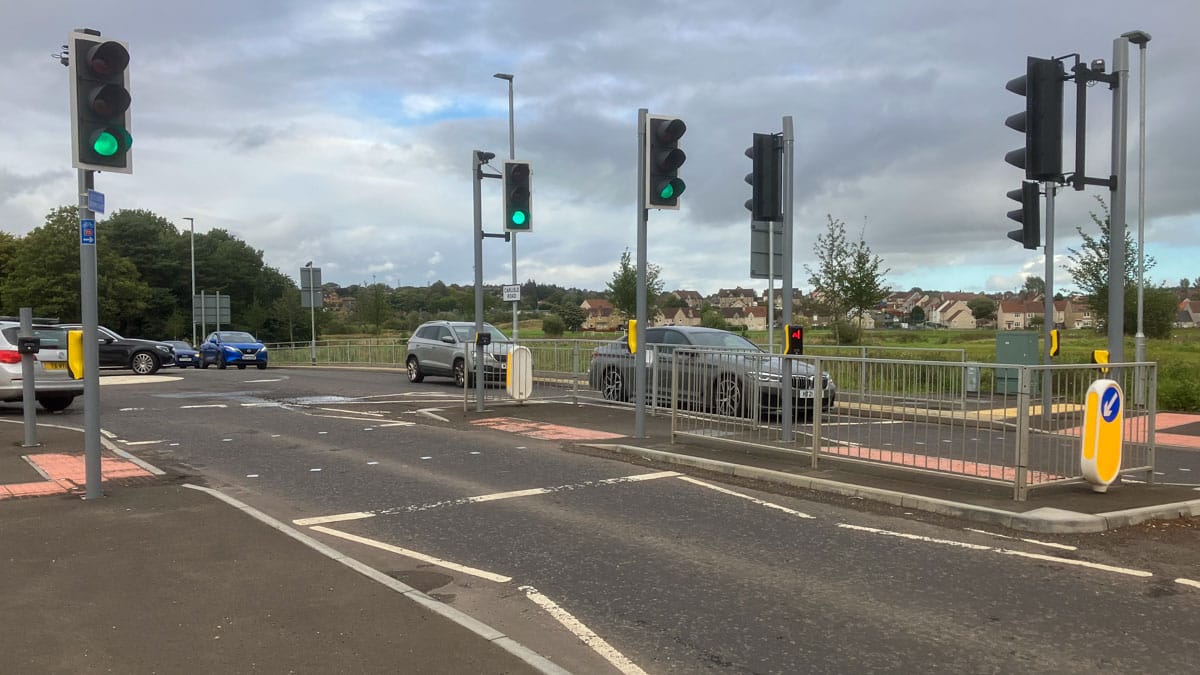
(105, 144)
(667, 192)
(518, 217)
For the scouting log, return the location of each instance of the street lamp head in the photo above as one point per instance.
(308, 264)
(1137, 37)
(503, 76)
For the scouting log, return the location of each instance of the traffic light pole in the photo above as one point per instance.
(1116, 219)
(89, 305)
(639, 357)
(1048, 321)
(787, 197)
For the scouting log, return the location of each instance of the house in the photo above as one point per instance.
(735, 297)
(1017, 314)
(599, 314)
(961, 319)
(752, 318)
(692, 299)
(1188, 315)
(681, 316)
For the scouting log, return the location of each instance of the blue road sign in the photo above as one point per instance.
(87, 232)
(96, 201)
(1110, 404)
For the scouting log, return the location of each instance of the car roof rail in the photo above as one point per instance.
(37, 319)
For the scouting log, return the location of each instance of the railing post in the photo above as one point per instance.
(818, 407)
(1152, 403)
(575, 372)
(674, 396)
(1021, 463)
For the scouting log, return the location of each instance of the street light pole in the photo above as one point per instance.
(312, 307)
(1140, 38)
(512, 154)
(192, 227)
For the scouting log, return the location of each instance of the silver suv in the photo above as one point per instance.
(447, 349)
(52, 382)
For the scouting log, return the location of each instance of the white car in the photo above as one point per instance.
(52, 382)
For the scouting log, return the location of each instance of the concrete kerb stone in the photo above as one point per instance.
(1043, 520)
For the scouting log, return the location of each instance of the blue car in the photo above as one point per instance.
(185, 356)
(232, 347)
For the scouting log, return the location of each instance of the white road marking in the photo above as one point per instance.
(226, 440)
(426, 457)
(172, 444)
(354, 412)
(462, 501)
(372, 463)
(321, 520)
(1002, 551)
(263, 404)
(130, 409)
(206, 405)
(368, 428)
(107, 433)
(274, 435)
(276, 379)
(474, 452)
(428, 412)
(322, 433)
(1188, 582)
(397, 424)
(482, 574)
(581, 631)
(142, 442)
(1051, 544)
(755, 500)
(251, 475)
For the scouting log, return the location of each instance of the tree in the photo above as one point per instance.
(572, 316)
(982, 309)
(623, 287)
(553, 326)
(1089, 266)
(847, 279)
(917, 315)
(1034, 287)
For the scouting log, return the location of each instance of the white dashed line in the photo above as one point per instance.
(397, 424)
(207, 405)
(251, 475)
(426, 457)
(482, 574)
(226, 440)
(372, 463)
(143, 442)
(1188, 582)
(1051, 544)
(305, 522)
(581, 631)
(755, 500)
(322, 433)
(277, 379)
(130, 409)
(172, 445)
(312, 470)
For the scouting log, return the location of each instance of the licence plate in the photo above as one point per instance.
(54, 365)
(249, 357)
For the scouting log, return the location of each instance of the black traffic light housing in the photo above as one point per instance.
(518, 197)
(1030, 234)
(766, 178)
(663, 159)
(793, 339)
(1042, 120)
(99, 75)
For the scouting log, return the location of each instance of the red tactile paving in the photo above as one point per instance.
(544, 431)
(68, 472)
(943, 464)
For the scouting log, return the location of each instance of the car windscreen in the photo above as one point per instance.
(722, 340)
(236, 336)
(52, 337)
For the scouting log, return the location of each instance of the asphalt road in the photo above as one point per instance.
(607, 566)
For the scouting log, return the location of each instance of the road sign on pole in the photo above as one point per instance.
(1103, 418)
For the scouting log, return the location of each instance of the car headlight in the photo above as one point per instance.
(262, 350)
(764, 376)
(232, 350)
(166, 349)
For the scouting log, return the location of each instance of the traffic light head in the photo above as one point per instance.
(793, 339)
(663, 159)
(765, 178)
(1042, 120)
(99, 75)
(1030, 234)
(518, 197)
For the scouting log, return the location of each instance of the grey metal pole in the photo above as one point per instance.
(192, 225)
(789, 142)
(639, 360)
(1116, 230)
(1048, 300)
(203, 316)
(28, 391)
(477, 190)
(512, 154)
(312, 311)
(1140, 38)
(90, 311)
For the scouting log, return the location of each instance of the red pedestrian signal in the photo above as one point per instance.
(793, 340)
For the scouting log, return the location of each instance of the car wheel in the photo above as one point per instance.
(261, 366)
(143, 363)
(612, 386)
(414, 370)
(728, 399)
(241, 366)
(55, 403)
(460, 373)
(203, 363)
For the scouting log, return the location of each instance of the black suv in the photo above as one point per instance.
(143, 357)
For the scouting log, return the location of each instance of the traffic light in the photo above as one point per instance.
(1042, 121)
(1030, 234)
(518, 198)
(793, 342)
(766, 202)
(663, 159)
(99, 74)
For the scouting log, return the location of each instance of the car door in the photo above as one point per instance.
(112, 350)
(441, 350)
(666, 359)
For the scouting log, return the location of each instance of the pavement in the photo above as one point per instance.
(163, 576)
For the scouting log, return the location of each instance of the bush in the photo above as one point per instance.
(553, 326)
(847, 333)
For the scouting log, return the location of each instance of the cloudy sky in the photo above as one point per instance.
(341, 132)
